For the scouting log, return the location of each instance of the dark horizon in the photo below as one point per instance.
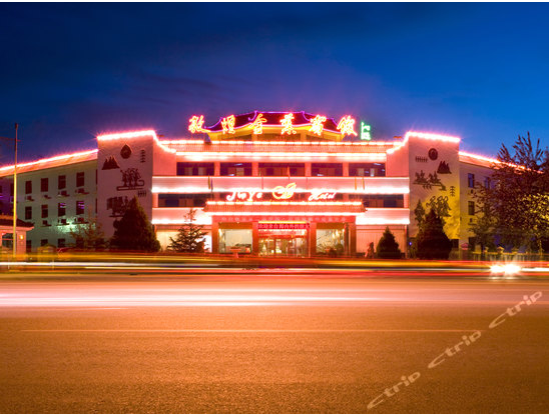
(73, 71)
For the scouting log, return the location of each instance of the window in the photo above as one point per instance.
(327, 169)
(61, 182)
(380, 201)
(195, 169)
(28, 187)
(471, 207)
(60, 242)
(182, 200)
(28, 213)
(281, 169)
(61, 209)
(366, 169)
(236, 169)
(229, 238)
(471, 180)
(487, 182)
(79, 179)
(45, 211)
(44, 185)
(44, 242)
(142, 153)
(29, 246)
(80, 207)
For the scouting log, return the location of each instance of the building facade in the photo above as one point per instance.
(271, 184)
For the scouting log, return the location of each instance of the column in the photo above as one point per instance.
(352, 239)
(311, 246)
(255, 239)
(215, 236)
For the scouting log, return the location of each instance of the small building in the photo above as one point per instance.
(6, 231)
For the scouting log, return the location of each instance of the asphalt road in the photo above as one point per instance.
(273, 343)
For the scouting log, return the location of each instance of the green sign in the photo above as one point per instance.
(365, 131)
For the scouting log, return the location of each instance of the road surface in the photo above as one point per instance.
(280, 342)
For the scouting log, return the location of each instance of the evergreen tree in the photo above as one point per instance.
(419, 213)
(190, 237)
(431, 241)
(134, 231)
(387, 247)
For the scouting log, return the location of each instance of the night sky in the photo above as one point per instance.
(71, 71)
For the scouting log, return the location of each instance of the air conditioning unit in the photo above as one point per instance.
(63, 193)
(47, 196)
(62, 221)
(45, 223)
(29, 198)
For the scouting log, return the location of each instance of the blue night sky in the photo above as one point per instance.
(72, 71)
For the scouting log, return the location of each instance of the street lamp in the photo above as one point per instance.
(14, 234)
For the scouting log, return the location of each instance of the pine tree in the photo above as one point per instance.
(387, 247)
(431, 241)
(190, 237)
(134, 231)
(419, 213)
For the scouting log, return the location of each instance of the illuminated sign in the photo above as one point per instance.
(244, 196)
(280, 193)
(258, 124)
(287, 123)
(317, 124)
(228, 124)
(284, 192)
(196, 123)
(365, 131)
(347, 126)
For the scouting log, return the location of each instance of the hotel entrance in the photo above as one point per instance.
(283, 239)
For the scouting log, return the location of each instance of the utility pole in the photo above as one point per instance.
(15, 197)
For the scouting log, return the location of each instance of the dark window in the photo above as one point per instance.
(182, 200)
(471, 207)
(236, 169)
(61, 209)
(79, 207)
(28, 187)
(44, 242)
(45, 211)
(11, 189)
(29, 246)
(60, 242)
(61, 182)
(281, 169)
(195, 169)
(44, 184)
(380, 201)
(471, 180)
(79, 179)
(28, 213)
(366, 169)
(327, 169)
(487, 183)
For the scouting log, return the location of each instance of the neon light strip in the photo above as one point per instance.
(277, 214)
(133, 135)
(377, 156)
(51, 159)
(388, 190)
(490, 160)
(305, 203)
(382, 221)
(282, 143)
(426, 136)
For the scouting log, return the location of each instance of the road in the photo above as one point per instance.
(273, 342)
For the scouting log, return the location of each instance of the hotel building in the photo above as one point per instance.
(271, 183)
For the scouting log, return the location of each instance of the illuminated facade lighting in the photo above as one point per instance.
(317, 124)
(258, 124)
(347, 126)
(196, 123)
(228, 124)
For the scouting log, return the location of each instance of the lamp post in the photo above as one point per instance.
(14, 234)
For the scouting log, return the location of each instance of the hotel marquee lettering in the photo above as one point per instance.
(279, 193)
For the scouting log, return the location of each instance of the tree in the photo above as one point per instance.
(387, 247)
(516, 199)
(134, 231)
(431, 241)
(190, 237)
(88, 235)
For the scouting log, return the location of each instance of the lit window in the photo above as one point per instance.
(79, 207)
